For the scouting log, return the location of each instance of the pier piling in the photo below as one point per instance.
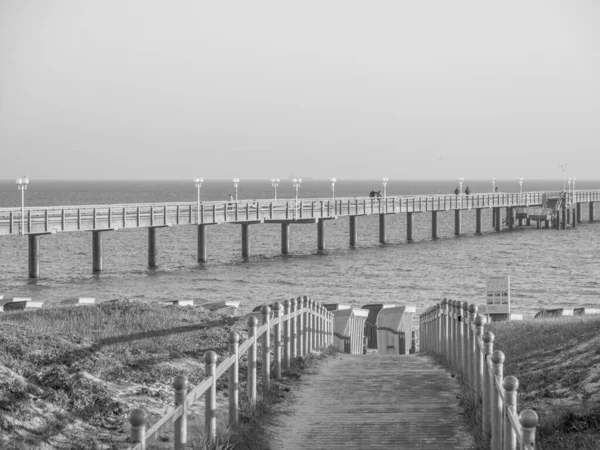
(245, 240)
(434, 224)
(478, 221)
(409, 227)
(285, 238)
(96, 251)
(202, 254)
(152, 247)
(591, 211)
(382, 238)
(353, 231)
(457, 222)
(321, 234)
(34, 256)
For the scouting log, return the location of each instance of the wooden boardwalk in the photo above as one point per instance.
(375, 402)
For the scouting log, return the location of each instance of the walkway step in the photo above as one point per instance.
(375, 402)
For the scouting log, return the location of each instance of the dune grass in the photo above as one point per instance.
(557, 363)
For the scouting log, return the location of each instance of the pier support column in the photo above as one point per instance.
(382, 228)
(478, 221)
(578, 207)
(409, 227)
(285, 238)
(546, 224)
(321, 235)
(591, 211)
(493, 217)
(34, 255)
(539, 224)
(245, 240)
(528, 221)
(96, 251)
(510, 219)
(497, 219)
(520, 221)
(564, 218)
(457, 222)
(152, 247)
(353, 231)
(202, 254)
(434, 224)
(574, 218)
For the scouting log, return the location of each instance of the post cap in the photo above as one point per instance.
(276, 306)
(265, 310)
(472, 308)
(488, 337)
(528, 418)
(210, 357)
(510, 383)
(286, 303)
(444, 301)
(479, 321)
(299, 301)
(252, 321)
(233, 337)
(497, 357)
(137, 417)
(180, 383)
(465, 306)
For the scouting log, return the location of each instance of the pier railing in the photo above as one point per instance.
(454, 330)
(40, 220)
(298, 326)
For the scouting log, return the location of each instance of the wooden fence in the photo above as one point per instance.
(304, 325)
(454, 330)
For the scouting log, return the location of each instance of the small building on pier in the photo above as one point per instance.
(371, 322)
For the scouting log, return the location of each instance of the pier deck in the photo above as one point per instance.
(376, 402)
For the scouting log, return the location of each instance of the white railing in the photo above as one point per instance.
(304, 325)
(454, 330)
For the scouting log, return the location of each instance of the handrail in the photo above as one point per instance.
(320, 328)
(454, 330)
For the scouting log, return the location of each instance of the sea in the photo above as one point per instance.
(548, 268)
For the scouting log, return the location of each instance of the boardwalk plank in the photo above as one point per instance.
(375, 402)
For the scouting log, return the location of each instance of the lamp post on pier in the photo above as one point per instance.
(296, 182)
(275, 183)
(333, 180)
(569, 192)
(493, 184)
(460, 191)
(384, 181)
(521, 186)
(564, 169)
(22, 186)
(236, 181)
(198, 182)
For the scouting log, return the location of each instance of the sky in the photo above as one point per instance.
(145, 89)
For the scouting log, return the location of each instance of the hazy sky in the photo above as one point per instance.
(253, 89)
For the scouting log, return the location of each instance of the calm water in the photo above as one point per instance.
(547, 267)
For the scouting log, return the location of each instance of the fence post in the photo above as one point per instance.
(472, 346)
(277, 340)
(252, 324)
(137, 419)
(510, 385)
(454, 334)
(309, 325)
(465, 342)
(320, 323)
(180, 426)
(315, 344)
(210, 406)
(488, 379)
(306, 325)
(293, 332)
(266, 350)
(299, 326)
(497, 405)
(529, 420)
(445, 336)
(478, 358)
(234, 371)
(286, 335)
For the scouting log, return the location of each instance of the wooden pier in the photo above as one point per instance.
(99, 219)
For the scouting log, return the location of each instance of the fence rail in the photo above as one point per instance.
(454, 330)
(33, 220)
(307, 325)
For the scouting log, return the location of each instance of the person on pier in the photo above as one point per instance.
(456, 191)
(467, 190)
